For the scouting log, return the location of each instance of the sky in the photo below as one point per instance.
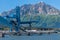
(6, 5)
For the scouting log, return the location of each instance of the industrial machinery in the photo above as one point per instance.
(19, 21)
(10, 23)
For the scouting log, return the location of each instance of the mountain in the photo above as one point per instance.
(39, 8)
(47, 15)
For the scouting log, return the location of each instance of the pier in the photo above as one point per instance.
(29, 32)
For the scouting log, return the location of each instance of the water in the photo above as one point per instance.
(40, 37)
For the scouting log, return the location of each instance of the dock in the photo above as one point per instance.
(28, 32)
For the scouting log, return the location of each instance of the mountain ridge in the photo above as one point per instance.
(38, 12)
(39, 8)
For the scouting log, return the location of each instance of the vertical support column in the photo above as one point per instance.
(29, 29)
(29, 26)
(17, 18)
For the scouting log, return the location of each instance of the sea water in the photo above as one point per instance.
(36, 37)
